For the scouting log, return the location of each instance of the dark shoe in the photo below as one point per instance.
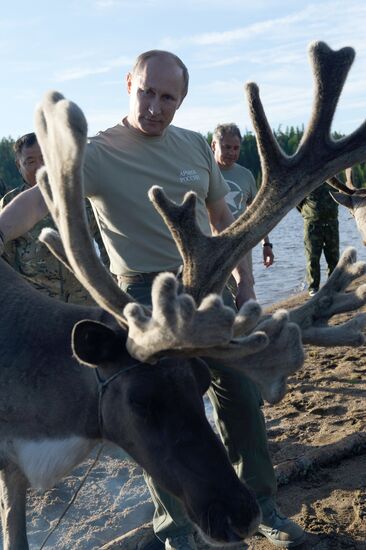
(281, 531)
(181, 542)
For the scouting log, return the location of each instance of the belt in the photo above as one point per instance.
(144, 277)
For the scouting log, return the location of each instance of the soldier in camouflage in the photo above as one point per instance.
(321, 233)
(27, 254)
(4, 188)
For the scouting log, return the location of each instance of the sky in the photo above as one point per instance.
(85, 48)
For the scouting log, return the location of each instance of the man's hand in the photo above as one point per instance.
(268, 256)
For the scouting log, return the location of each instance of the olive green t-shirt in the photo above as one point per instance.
(121, 165)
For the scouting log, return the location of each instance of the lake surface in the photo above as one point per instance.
(287, 275)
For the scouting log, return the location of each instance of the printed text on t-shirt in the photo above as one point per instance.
(187, 176)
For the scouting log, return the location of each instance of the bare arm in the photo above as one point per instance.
(221, 217)
(22, 214)
(268, 256)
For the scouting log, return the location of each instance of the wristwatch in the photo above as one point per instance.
(267, 244)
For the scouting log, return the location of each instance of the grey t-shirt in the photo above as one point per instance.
(121, 166)
(242, 188)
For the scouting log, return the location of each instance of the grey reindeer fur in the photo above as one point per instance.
(49, 412)
(48, 398)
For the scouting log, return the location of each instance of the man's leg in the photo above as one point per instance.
(313, 242)
(170, 520)
(240, 422)
(238, 415)
(237, 408)
(331, 244)
(239, 419)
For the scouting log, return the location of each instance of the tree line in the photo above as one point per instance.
(288, 139)
(9, 175)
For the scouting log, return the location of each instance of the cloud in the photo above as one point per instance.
(246, 33)
(84, 72)
(76, 74)
(321, 19)
(108, 4)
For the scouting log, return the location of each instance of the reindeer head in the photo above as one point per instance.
(156, 414)
(352, 198)
(191, 322)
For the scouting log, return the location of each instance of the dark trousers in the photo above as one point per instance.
(320, 236)
(239, 419)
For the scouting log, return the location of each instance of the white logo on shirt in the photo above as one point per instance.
(187, 176)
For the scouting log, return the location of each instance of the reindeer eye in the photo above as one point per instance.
(139, 400)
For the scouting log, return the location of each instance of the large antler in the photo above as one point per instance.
(176, 323)
(313, 316)
(208, 261)
(61, 132)
(349, 188)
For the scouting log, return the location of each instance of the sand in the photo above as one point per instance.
(317, 439)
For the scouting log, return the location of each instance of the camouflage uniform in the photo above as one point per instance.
(4, 187)
(321, 233)
(38, 265)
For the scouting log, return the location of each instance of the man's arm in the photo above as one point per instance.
(268, 256)
(220, 217)
(21, 214)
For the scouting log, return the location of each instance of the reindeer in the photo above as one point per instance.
(352, 198)
(72, 376)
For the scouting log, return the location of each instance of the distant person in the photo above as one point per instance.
(226, 141)
(26, 254)
(321, 233)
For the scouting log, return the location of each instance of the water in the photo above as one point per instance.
(286, 276)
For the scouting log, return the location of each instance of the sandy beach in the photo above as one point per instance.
(318, 443)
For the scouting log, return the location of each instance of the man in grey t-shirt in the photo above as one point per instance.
(226, 141)
(157, 86)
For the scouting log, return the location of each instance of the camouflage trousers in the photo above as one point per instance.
(320, 236)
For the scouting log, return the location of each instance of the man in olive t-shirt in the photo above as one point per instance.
(121, 165)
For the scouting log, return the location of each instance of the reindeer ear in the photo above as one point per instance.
(95, 344)
(342, 198)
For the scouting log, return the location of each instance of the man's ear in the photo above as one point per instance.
(129, 82)
(213, 145)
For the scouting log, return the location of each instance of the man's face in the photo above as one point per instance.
(155, 94)
(226, 150)
(28, 162)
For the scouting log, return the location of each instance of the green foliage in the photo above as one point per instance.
(249, 156)
(359, 175)
(9, 175)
